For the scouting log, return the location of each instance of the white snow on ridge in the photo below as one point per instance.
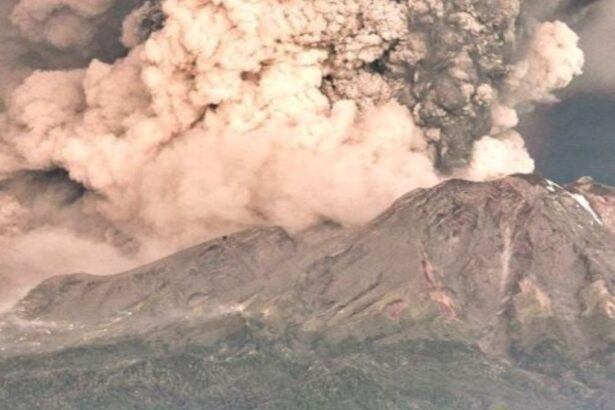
(584, 203)
(579, 199)
(552, 186)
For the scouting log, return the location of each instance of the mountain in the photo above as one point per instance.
(464, 296)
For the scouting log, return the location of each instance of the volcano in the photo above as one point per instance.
(463, 296)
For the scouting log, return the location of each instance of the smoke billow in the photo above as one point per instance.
(183, 119)
(597, 42)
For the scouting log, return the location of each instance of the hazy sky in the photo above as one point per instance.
(577, 136)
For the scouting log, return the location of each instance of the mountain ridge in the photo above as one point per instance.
(518, 269)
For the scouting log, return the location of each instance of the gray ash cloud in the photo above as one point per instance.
(181, 120)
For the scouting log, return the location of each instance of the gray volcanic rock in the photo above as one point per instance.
(462, 296)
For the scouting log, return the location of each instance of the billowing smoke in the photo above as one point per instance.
(178, 120)
(597, 34)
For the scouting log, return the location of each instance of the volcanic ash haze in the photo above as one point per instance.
(149, 126)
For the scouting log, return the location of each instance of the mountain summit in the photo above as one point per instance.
(464, 296)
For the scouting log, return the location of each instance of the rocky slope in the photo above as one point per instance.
(463, 296)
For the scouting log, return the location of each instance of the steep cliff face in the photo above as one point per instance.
(514, 277)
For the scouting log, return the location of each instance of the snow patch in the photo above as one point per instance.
(584, 203)
(552, 186)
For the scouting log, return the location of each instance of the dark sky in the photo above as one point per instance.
(573, 138)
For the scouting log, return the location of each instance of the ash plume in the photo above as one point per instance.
(596, 40)
(184, 119)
